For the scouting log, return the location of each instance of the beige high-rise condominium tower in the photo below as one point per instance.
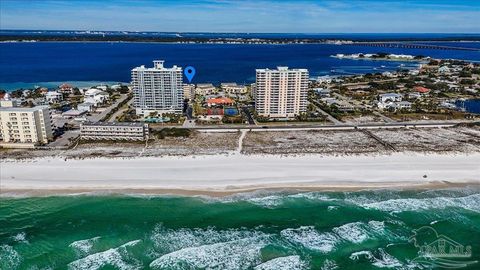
(29, 126)
(281, 92)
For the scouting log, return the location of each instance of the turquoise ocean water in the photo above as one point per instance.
(260, 230)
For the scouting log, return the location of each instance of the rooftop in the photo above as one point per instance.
(74, 112)
(114, 124)
(221, 100)
(281, 69)
(23, 109)
(204, 85)
(421, 89)
(390, 95)
(157, 65)
(229, 84)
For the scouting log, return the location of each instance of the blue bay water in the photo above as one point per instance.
(281, 230)
(112, 61)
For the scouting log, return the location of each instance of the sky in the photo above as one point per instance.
(248, 16)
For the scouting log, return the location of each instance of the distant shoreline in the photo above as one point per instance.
(218, 40)
(12, 86)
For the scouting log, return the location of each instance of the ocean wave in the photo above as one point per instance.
(311, 239)
(272, 201)
(384, 200)
(169, 240)
(268, 201)
(237, 254)
(325, 242)
(379, 258)
(293, 262)
(471, 202)
(83, 247)
(329, 265)
(332, 208)
(258, 197)
(353, 232)
(116, 257)
(9, 257)
(20, 237)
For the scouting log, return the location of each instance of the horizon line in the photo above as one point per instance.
(219, 32)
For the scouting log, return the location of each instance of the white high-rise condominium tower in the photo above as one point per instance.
(158, 89)
(281, 92)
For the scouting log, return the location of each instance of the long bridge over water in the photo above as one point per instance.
(412, 46)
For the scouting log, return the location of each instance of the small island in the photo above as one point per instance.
(382, 56)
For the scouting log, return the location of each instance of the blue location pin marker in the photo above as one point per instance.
(189, 73)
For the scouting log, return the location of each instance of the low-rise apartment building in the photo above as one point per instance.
(128, 131)
(234, 88)
(204, 89)
(28, 126)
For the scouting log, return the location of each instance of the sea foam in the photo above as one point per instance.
(378, 258)
(293, 262)
(311, 239)
(169, 240)
(232, 255)
(355, 232)
(83, 247)
(116, 257)
(9, 257)
(471, 202)
(20, 237)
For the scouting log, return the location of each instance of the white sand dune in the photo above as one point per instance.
(230, 173)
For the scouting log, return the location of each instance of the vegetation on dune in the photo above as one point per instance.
(172, 132)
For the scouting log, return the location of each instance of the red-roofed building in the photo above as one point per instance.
(2, 95)
(66, 88)
(43, 90)
(421, 89)
(220, 101)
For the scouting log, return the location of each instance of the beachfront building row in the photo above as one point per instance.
(25, 127)
(113, 131)
(281, 92)
(157, 89)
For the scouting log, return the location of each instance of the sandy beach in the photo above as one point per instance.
(226, 174)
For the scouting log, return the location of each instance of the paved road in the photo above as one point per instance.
(383, 117)
(250, 119)
(329, 116)
(97, 117)
(120, 111)
(426, 124)
(365, 83)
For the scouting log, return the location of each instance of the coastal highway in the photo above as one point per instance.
(426, 124)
